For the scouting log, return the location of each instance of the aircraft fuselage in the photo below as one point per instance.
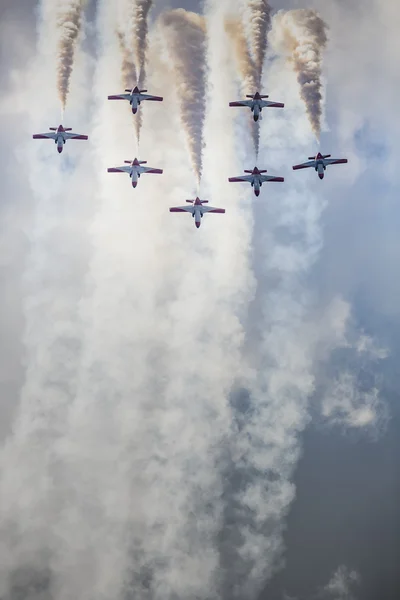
(197, 214)
(256, 110)
(320, 168)
(60, 142)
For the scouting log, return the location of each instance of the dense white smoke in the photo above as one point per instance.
(67, 15)
(132, 34)
(301, 34)
(257, 16)
(185, 43)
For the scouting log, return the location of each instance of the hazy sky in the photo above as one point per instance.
(209, 413)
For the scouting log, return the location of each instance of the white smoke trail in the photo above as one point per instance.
(132, 32)
(185, 37)
(265, 450)
(151, 413)
(67, 23)
(257, 15)
(52, 286)
(301, 34)
(246, 68)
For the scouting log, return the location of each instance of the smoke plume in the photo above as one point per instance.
(129, 79)
(302, 34)
(185, 36)
(258, 20)
(69, 23)
(246, 68)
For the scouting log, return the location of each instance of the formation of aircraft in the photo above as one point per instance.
(197, 208)
(60, 135)
(256, 178)
(135, 97)
(134, 170)
(256, 104)
(319, 162)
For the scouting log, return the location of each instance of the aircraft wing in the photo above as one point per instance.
(150, 170)
(154, 98)
(310, 163)
(243, 178)
(75, 136)
(44, 136)
(335, 161)
(241, 103)
(212, 209)
(119, 169)
(265, 103)
(189, 209)
(119, 97)
(271, 178)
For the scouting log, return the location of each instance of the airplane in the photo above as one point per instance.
(197, 209)
(256, 104)
(256, 178)
(319, 163)
(134, 170)
(135, 97)
(60, 136)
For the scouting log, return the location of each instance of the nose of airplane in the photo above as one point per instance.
(255, 117)
(197, 224)
(257, 192)
(59, 150)
(134, 110)
(134, 184)
(321, 175)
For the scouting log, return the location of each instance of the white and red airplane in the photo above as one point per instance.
(134, 170)
(256, 178)
(197, 209)
(320, 162)
(135, 97)
(60, 135)
(256, 104)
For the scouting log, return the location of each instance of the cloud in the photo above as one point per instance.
(346, 405)
(342, 583)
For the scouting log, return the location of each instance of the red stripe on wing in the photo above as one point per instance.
(174, 209)
(154, 171)
(217, 210)
(114, 170)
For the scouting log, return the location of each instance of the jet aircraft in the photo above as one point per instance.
(60, 135)
(256, 178)
(320, 162)
(134, 170)
(256, 104)
(135, 97)
(197, 209)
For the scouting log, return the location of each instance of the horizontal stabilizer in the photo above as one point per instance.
(326, 155)
(311, 157)
(67, 128)
(142, 91)
(265, 96)
(128, 162)
(128, 91)
(262, 170)
(53, 128)
(247, 171)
